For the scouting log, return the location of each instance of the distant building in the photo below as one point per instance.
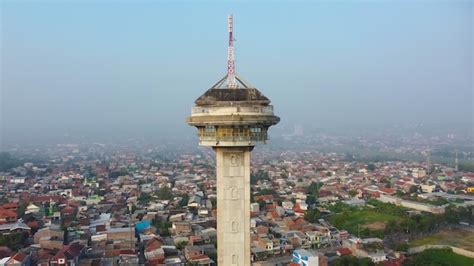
(306, 258)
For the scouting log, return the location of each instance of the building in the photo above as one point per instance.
(232, 117)
(306, 258)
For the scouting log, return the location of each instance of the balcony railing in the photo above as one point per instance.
(255, 137)
(233, 109)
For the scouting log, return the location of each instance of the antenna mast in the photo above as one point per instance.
(231, 81)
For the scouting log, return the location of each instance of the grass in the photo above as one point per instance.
(365, 218)
(456, 237)
(439, 257)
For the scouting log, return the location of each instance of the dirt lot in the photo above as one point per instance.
(375, 226)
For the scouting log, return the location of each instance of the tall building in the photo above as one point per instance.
(232, 117)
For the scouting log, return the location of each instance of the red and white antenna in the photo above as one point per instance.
(231, 81)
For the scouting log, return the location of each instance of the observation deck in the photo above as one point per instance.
(230, 117)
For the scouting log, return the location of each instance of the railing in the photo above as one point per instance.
(233, 109)
(236, 138)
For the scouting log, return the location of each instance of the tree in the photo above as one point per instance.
(21, 209)
(164, 193)
(371, 167)
(144, 198)
(402, 247)
(352, 261)
(7, 161)
(314, 187)
(413, 189)
(352, 193)
(312, 215)
(162, 226)
(14, 241)
(266, 191)
(261, 204)
(184, 200)
(311, 199)
(399, 193)
(181, 244)
(391, 227)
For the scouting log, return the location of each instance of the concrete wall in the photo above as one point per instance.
(456, 250)
(420, 206)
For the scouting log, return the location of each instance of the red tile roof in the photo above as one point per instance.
(344, 251)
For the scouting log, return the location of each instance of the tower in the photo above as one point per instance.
(456, 161)
(232, 117)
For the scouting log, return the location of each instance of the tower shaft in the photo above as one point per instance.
(233, 205)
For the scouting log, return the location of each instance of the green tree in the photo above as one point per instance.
(371, 167)
(14, 241)
(164, 193)
(21, 209)
(7, 161)
(391, 227)
(144, 198)
(352, 193)
(314, 187)
(180, 245)
(312, 215)
(311, 199)
(352, 261)
(184, 200)
(413, 189)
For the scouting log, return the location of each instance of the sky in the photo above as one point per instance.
(132, 67)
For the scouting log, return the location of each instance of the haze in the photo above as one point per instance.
(81, 68)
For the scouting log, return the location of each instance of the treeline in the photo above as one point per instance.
(7, 161)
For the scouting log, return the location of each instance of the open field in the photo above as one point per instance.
(366, 218)
(439, 257)
(455, 237)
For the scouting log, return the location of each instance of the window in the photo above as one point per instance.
(234, 227)
(210, 128)
(255, 130)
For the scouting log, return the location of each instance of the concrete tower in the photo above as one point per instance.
(232, 117)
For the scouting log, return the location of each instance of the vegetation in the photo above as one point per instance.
(184, 200)
(21, 209)
(455, 237)
(260, 175)
(466, 166)
(7, 161)
(352, 261)
(384, 218)
(164, 193)
(144, 198)
(438, 257)
(413, 189)
(116, 174)
(162, 226)
(180, 245)
(364, 222)
(312, 215)
(352, 193)
(371, 167)
(14, 241)
(266, 191)
(314, 188)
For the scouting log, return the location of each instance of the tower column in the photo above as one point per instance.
(233, 205)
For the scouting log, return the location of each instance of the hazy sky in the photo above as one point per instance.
(81, 67)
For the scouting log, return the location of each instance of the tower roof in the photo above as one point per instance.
(243, 93)
(214, 96)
